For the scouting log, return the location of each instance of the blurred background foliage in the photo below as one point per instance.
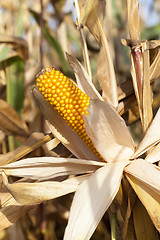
(36, 34)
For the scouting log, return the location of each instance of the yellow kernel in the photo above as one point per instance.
(67, 94)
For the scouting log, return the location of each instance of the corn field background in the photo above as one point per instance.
(35, 35)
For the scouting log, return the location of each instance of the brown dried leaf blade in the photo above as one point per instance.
(34, 141)
(133, 19)
(10, 122)
(105, 68)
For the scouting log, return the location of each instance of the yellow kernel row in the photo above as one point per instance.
(67, 99)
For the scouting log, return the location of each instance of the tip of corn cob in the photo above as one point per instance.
(67, 99)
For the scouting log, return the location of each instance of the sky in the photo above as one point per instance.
(149, 14)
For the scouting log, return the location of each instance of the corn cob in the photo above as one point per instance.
(67, 99)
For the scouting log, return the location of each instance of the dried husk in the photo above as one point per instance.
(44, 168)
(108, 132)
(93, 196)
(151, 137)
(145, 178)
(83, 80)
(154, 155)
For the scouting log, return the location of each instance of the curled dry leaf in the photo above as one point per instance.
(6, 52)
(35, 193)
(10, 122)
(66, 135)
(18, 44)
(108, 132)
(10, 210)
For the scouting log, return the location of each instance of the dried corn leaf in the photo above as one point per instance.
(108, 132)
(151, 137)
(147, 94)
(154, 155)
(106, 75)
(95, 18)
(143, 223)
(66, 135)
(105, 69)
(145, 178)
(155, 67)
(42, 168)
(34, 141)
(133, 20)
(10, 122)
(91, 198)
(35, 193)
(84, 9)
(125, 89)
(83, 80)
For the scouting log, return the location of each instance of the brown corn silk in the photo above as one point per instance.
(70, 102)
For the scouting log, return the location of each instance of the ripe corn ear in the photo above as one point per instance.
(67, 99)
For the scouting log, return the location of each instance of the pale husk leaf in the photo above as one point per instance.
(42, 168)
(65, 134)
(145, 178)
(83, 80)
(154, 155)
(108, 132)
(35, 140)
(35, 193)
(151, 137)
(92, 199)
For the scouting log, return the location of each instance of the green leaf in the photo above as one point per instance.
(14, 68)
(151, 33)
(6, 52)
